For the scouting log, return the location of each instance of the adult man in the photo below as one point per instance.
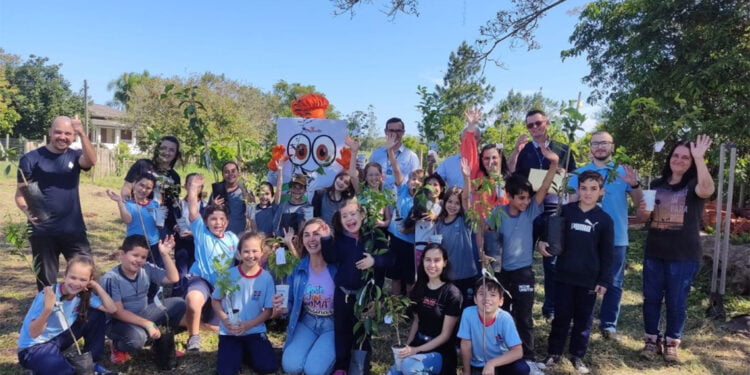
(615, 203)
(407, 160)
(56, 169)
(527, 155)
(231, 193)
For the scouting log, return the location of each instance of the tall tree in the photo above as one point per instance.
(688, 61)
(8, 114)
(123, 87)
(43, 93)
(286, 92)
(442, 109)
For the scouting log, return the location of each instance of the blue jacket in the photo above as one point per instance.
(297, 282)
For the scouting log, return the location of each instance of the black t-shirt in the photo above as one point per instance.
(531, 157)
(674, 230)
(431, 308)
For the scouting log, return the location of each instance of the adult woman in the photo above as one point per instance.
(167, 187)
(431, 348)
(672, 251)
(309, 347)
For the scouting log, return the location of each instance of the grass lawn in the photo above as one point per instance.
(706, 348)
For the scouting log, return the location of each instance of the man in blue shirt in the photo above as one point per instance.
(407, 160)
(56, 168)
(614, 203)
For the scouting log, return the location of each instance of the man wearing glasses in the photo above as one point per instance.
(407, 159)
(615, 203)
(527, 155)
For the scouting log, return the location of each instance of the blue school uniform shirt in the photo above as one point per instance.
(457, 240)
(208, 247)
(147, 213)
(255, 294)
(263, 217)
(54, 324)
(615, 200)
(133, 293)
(499, 337)
(404, 202)
(517, 235)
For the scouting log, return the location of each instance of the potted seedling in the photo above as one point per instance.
(16, 235)
(164, 347)
(281, 262)
(395, 308)
(31, 193)
(226, 286)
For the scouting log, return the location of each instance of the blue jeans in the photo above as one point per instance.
(422, 363)
(609, 311)
(310, 350)
(131, 337)
(667, 281)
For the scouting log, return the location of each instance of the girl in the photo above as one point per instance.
(261, 215)
(45, 333)
(374, 181)
(309, 347)
(326, 202)
(432, 347)
(457, 236)
(139, 213)
(402, 241)
(212, 241)
(347, 251)
(137, 321)
(672, 250)
(243, 337)
(424, 213)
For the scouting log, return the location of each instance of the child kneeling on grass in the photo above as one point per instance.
(489, 340)
(45, 333)
(244, 337)
(582, 271)
(136, 321)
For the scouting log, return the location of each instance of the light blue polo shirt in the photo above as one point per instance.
(615, 201)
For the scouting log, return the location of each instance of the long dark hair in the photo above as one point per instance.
(421, 285)
(346, 194)
(178, 154)
(690, 174)
(84, 295)
(503, 163)
(458, 192)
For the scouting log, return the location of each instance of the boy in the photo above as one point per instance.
(582, 270)
(295, 211)
(489, 340)
(516, 229)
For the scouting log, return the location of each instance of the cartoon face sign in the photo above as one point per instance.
(321, 149)
(311, 144)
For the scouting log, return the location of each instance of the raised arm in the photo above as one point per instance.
(88, 158)
(353, 145)
(194, 188)
(520, 144)
(705, 187)
(469, 147)
(124, 214)
(165, 248)
(38, 325)
(553, 160)
(279, 181)
(466, 192)
(397, 175)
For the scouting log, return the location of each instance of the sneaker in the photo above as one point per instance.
(551, 361)
(611, 334)
(534, 369)
(670, 350)
(578, 364)
(651, 349)
(179, 353)
(194, 343)
(100, 370)
(118, 357)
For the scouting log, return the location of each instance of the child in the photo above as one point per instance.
(374, 181)
(244, 336)
(516, 239)
(431, 347)
(347, 251)
(212, 241)
(424, 213)
(457, 238)
(139, 214)
(261, 215)
(136, 320)
(326, 202)
(402, 242)
(582, 271)
(45, 334)
(489, 340)
(184, 254)
(292, 213)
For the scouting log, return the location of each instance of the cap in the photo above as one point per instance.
(298, 178)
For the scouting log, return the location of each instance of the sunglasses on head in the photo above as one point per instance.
(534, 124)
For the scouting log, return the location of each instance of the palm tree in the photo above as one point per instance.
(124, 85)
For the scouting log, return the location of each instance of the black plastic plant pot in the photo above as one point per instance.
(164, 352)
(555, 234)
(83, 364)
(35, 201)
(360, 363)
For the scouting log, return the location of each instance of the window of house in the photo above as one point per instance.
(126, 135)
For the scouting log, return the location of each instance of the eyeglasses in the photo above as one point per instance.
(534, 124)
(395, 131)
(601, 144)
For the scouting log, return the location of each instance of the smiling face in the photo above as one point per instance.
(77, 278)
(414, 182)
(217, 223)
(296, 191)
(680, 161)
(142, 189)
(437, 190)
(167, 152)
(231, 174)
(251, 250)
(351, 217)
(374, 177)
(537, 125)
(133, 260)
(61, 134)
(311, 238)
(491, 160)
(602, 146)
(488, 300)
(520, 202)
(342, 183)
(433, 263)
(453, 205)
(264, 195)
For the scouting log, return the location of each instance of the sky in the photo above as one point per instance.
(355, 60)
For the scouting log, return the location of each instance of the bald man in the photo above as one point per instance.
(56, 169)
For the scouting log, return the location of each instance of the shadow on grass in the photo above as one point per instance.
(10, 369)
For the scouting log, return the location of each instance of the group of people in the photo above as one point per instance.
(460, 244)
